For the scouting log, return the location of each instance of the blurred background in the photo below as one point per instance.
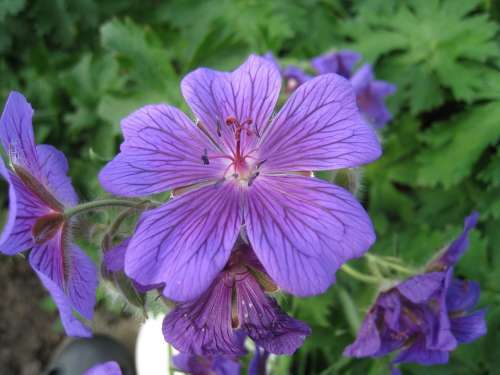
(85, 64)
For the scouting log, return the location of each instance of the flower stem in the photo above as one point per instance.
(89, 206)
(389, 264)
(359, 276)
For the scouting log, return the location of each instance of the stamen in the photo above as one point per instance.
(204, 158)
(252, 178)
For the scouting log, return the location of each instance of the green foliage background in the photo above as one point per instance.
(84, 64)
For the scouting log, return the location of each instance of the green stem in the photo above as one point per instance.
(390, 264)
(359, 276)
(72, 211)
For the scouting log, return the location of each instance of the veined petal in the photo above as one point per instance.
(418, 353)
(185, 242)
(470, 327)
(54, 172)
(420, 288)
(24, 210)
(462, 295)
(368, 339)
(203, 326)
(16, 132)
(263, 320)
(303, 229)
(162, 150)
(249, 92)
(69, 270)
(318, 128)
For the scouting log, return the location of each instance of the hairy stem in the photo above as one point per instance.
(360, 276)
(90, 206)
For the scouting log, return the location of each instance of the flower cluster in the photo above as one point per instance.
(246, 218)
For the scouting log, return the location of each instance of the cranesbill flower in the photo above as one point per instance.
(370, 96)
(234, 306)
(39, 193)
(426, 316)
(240, 167)
(107, 368)
(212, 365)
(341, 62)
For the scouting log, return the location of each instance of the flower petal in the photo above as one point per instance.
(262, 319)
(303, 229)
(462, 295)
(69, 270)
(54, 169)
(367, 341)
(318, 128)
(114, 259)
(341, 62)
(16, 132)
(203, 326)
(185, 242)
(107, 368)
(469, 328)
(420, 288)
(418, 353)
(24, 210)
(162, 150)
(249, 92)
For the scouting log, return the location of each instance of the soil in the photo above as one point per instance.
(28, 333)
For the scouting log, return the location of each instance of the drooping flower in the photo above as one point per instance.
(107, 368)
(39, 193)
(234, 306)
(426, 316)
(212, 365)
(340, 62)
(370, 96)
(241, 168)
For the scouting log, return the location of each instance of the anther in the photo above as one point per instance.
(231, 120)
(204, 158)
(218, 128)
(259, 164)
(252, 178)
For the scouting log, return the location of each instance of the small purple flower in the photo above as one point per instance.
(258, 364)
(107, 368)
(39, 193)
(234, 306)
(341, 62)
(241, 167)
(426, 316)
(370, 96)
(294, 77)
(197, 365)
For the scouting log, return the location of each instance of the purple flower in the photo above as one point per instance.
(241, 168)
(258, 363)
(426, 316)
(39, 192)
(341, 62)
(370, 96)
(234, 306)
(294, 77)
(197, 365)
(107, 368)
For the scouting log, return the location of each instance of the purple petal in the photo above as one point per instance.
(258, 364)
(226, 366)
(249, 92)
(185, 242)
(24, 210)
(197, 365)
(417, 353)
(203, 326)
(370, 96)
(263, 320)
(54, 169)
(292, 72)
(114, 259)
(70, 270)
(469, 328)
(457, 248)
(303, 229)
(269, 56)
(16, 132)
(462, 295)
(368, 341)
(420, 288)
(318, 128)
(107, 368)
(162, 150)
(341, 62)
